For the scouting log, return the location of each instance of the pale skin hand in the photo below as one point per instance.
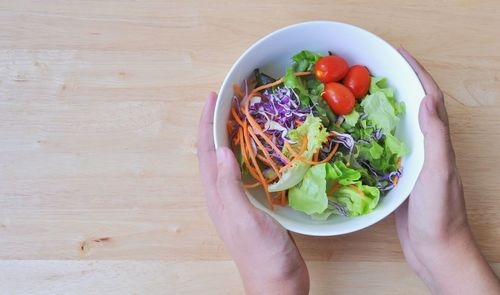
(266, 257)
(432, 225)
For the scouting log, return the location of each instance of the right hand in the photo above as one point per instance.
(432, 224)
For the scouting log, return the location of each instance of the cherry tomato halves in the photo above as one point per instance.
(330, 68)
(358, 80)
(339, 98)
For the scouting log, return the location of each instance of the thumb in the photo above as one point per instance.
(438, 151)
(229, 179)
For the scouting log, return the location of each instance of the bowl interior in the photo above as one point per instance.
(272, 54)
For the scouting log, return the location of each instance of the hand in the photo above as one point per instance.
(432, 225)
(264, 252)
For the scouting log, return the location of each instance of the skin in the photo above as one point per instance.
(432, 225)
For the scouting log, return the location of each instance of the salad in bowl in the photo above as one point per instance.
(323, 117)
(321, 138)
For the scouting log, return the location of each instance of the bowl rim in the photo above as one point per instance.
(316, 231)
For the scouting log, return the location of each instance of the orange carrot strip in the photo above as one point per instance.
(283, 198)
(257, 168)
(360, 192)
(333, 188)
(266, 153)
(256, 184)
(245, 156)
(251, 185)
(316, 156)
(328, 158)
(236, 117)
(237, 90)
(301, 151)
(278, 82)
(260, 132)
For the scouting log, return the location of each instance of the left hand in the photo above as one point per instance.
(265, 254)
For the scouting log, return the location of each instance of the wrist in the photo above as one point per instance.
(456, 265)
(289, 280)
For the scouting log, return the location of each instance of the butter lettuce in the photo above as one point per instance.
(316, 136)
(380, 111)
(355, 202)
(310, 195)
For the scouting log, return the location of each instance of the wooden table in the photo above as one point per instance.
(99, 105)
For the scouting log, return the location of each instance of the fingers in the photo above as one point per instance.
(207, 159)
(437, 145)
(430, 86)
(229, 180)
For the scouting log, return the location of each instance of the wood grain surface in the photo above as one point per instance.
(99, 105)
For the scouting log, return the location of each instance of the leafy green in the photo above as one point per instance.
(341, 173)
(305, 60)
(356, 203)
(380, 84)
(394, 146)
(351, 119)
(324, 215)
(262, 78)
(380, 111)
(310, 195)
(315, 88)
(294, 82)
(316, 135)
(370, 151)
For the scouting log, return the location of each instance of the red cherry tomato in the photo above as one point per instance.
(339, 98)
(331, 68)
(358, 80)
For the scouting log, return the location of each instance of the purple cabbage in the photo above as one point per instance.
(278, 111)
(344, 139)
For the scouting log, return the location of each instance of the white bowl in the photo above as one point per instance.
(272, 54)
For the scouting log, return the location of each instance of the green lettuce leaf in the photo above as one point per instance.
(316, 135)
(296, 83)
(380, 112)
(371, 151)
(394, 146)
(310, 195)
(305, 60)
(380, 84)
(356, 203)
(341, 173)
(351, 119)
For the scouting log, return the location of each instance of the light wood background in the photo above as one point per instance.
(99, 105)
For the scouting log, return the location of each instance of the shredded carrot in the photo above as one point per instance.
(299, 154)
(278, 82)
(237, 90)
(229, 127)
(256, 184)
(283, 198)
(264, 150)
(263, 159)
(251, 185)
(236, 117)
(328, 158)
(245, 155)
(260, 132)
(396, 179)
(360, 192)
(257, 168)
(333, 188)
(316, 156)
(399, 162)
